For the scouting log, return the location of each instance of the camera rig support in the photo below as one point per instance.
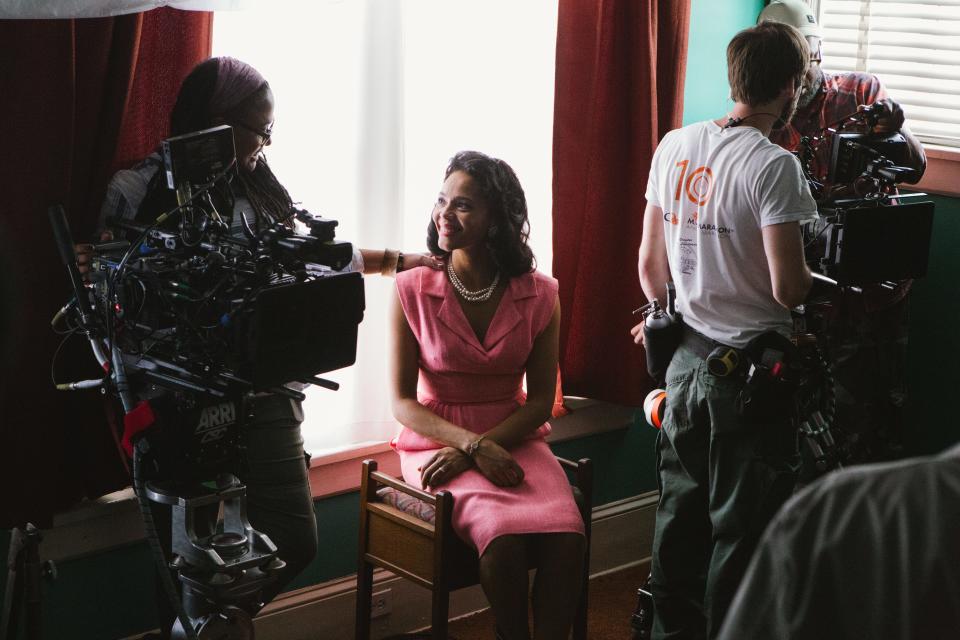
(869, 240)
(189, 322)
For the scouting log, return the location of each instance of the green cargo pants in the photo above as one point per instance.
(721, 481)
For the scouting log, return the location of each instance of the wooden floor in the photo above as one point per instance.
(613, 598)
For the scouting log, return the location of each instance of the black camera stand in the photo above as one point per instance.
(222, 574)
(221, 562)
(24, 571)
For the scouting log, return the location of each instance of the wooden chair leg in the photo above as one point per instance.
(439, 614)
(364, 598)
(585, 483)
(580, 620)
(364, 568)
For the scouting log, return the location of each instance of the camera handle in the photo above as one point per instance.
(68, 255)
(830, 281)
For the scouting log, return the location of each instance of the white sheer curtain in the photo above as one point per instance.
(373, 98)
(20, 9)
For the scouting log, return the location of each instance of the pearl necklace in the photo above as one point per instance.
(481, 295)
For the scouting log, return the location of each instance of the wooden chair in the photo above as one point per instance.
(428, 552)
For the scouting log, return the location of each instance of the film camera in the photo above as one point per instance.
(868, 233)
(191, 317)
(870, 240)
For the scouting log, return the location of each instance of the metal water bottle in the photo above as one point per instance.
(661, 334)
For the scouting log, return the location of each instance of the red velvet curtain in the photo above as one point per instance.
(80, 98)
(619, 89)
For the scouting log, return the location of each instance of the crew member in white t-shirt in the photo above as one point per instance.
(722, 222)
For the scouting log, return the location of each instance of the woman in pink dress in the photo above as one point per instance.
(463, 339)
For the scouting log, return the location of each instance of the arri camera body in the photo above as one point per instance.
(868, 233)
(191, 315)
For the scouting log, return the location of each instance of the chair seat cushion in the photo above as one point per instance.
(408, 504)
(426, 512)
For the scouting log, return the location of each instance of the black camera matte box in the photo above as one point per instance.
(299, 330)
(881, 243)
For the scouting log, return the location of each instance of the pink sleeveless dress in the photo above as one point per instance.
(476, 386)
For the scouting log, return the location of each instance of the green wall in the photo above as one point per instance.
(934, 347)
(712, 25)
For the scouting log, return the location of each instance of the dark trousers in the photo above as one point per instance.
(721, 481)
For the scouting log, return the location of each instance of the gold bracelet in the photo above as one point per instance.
(388, 266)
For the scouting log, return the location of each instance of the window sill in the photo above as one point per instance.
(942, 176)
(114, 520)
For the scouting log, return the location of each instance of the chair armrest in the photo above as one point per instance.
(426, 507)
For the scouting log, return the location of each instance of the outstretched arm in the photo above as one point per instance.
(388, 262)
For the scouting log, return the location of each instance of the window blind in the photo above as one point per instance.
(913, 47)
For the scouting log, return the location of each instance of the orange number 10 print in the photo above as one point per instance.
(699, 185)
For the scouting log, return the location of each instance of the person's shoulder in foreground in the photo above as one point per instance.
(867, 552)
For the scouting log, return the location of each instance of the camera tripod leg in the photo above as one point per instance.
(23, 584)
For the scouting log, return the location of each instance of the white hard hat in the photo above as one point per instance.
(795, 13)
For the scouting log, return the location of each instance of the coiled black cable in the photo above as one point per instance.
(166, 581)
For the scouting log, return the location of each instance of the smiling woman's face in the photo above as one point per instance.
(460, 214)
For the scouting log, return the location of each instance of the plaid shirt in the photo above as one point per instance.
(838, 96)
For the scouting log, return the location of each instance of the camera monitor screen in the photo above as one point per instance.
(198, 157)
(882, 243)
(851, 154)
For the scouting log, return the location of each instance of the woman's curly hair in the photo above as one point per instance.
(503, 195)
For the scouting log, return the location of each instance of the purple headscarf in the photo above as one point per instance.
(236, 81)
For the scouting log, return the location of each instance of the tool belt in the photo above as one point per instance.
(770, 365)
(722, 360)
(774, 378)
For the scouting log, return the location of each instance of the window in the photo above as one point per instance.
(913, 47)
(373, 98)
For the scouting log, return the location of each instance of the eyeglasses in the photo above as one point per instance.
(263, 134)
